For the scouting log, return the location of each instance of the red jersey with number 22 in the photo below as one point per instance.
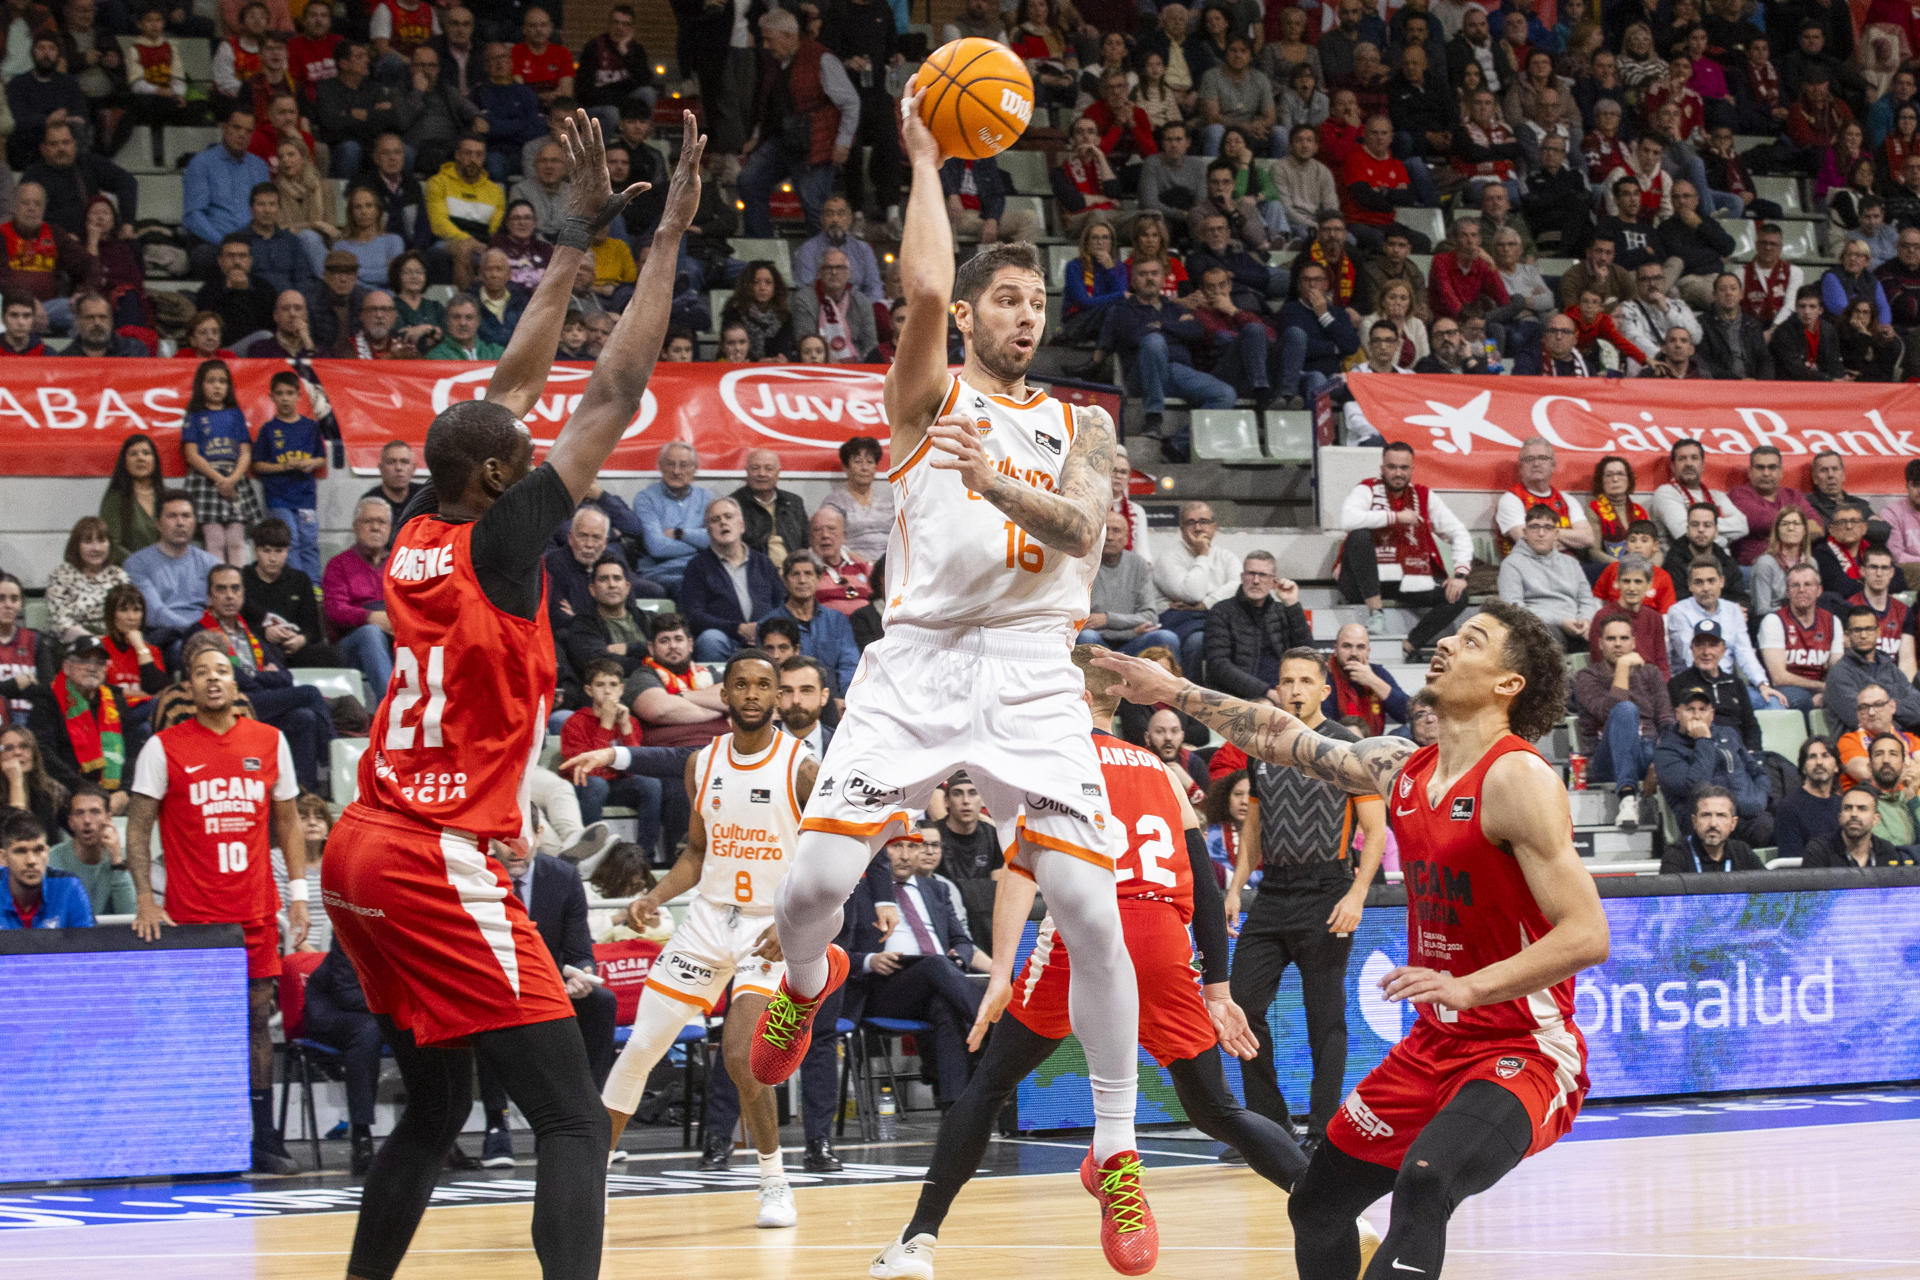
(1468, 905)
(466, 713)
(1140, 792)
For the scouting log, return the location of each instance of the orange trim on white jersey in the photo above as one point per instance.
(926, 442)
(862, 830)
(1042, 841)
(1066, 411)
(704, 1006)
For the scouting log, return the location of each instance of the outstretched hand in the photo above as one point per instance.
(683, 193)
(590, 195)
(1141, 682)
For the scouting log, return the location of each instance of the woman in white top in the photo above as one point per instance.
(867, 508)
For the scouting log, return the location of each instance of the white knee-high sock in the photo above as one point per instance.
(656, 1024)
(807, 910)
(1103, 1000)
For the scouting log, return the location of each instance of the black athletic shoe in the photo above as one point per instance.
(718, 1154)
(268, 1159)
(460, 1161)
(1232, 1156)
(362, 1154)
(496, 1149)
(820, 1157)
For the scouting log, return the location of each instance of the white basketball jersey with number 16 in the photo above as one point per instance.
(954, 559)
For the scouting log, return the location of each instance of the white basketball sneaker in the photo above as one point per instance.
(905, 1259)
(1369, 1245)
(776, 1204)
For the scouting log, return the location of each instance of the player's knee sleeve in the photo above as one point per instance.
(825, 869)
(656, 1024)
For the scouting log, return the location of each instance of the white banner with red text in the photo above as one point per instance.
(1467, 431)
(61, 417)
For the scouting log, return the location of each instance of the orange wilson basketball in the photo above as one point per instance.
(979, 97)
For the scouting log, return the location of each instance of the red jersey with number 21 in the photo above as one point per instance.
(466, 714)
(1468, 905)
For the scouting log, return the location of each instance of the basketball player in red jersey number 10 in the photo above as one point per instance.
(449, 960)
(1500, 917)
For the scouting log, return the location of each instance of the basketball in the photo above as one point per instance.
(979, 97)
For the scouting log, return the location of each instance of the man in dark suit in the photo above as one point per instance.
(919, 970)
(551, 891)
(805, 688)
(1806, 346)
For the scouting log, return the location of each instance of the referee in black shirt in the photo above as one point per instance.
(1309, 900)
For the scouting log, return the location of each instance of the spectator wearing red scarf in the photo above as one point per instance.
(81, 723)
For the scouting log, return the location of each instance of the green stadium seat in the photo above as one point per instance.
(1290, 436)
(1429, 222)
(333, 682)
(1783, 191)
(1743, 233)
(1782, 731)
(1555, 266)
(1038, 208)
(1026, 171)
(163, 197)
(654, 606)
(1060, 257)
(1801, 240)
(345, 770)
(33, 613)
(1819, 725)
(1227, 435)
(776, 251)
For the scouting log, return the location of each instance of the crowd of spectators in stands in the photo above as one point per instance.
(1237, 188)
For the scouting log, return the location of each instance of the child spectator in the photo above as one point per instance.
(218, 451)
(288, 456)
(608, 722)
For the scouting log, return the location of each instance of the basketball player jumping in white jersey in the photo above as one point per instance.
(747, 788)
(1002, 496)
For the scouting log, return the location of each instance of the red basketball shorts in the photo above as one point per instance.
(440, 942)
(1387, 1110)
(1173, 1017)
(262, 941)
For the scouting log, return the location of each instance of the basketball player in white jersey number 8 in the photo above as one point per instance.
(1001, 494)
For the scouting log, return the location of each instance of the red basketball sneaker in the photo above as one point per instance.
(786, 1025)
(1128, 1235)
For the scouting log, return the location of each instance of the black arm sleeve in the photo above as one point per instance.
(1209, 911)
(510, 538)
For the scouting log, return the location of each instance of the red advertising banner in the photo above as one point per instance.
(61, 417)
(1467, 431)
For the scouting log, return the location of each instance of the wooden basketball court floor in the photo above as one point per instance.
(1832, 1197)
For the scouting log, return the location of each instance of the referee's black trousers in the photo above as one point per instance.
(1289, 926)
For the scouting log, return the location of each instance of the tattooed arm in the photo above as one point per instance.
(1074, 520)
(1262, 730)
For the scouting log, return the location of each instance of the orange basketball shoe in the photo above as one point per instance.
(1128, 1235)
(786, 1025)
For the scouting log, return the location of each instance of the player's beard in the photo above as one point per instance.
(1000, 358)
(743, 724)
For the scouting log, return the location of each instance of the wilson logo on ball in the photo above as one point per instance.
(977, 97)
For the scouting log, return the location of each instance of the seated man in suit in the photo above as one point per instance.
(918, 970)
(551, 891)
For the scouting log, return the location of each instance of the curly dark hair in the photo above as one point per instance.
(1534, 654)
(1600, 470)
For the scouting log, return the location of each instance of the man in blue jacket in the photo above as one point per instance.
(728, 586)
(1316, 336)
(1154, 338)
(825, 634)
(672, 513)
(1694, 752)
(31, 897)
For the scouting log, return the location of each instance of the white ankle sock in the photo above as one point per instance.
(1113, 1107)
(770, 1164)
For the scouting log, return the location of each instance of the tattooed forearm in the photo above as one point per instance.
(1074, 519)
(1265, 732)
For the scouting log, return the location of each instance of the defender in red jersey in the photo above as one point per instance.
(1500, 917)
(222, 788)
(445, 952)
(1165, 882)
